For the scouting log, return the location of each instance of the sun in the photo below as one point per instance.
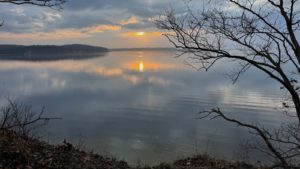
(140, 33)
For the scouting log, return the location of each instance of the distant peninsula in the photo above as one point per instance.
(50, 52)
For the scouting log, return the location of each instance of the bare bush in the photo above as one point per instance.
(21, 118)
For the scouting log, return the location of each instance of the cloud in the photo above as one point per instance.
(144, 23)
(81, 20)
(100, 29)
(38, 25)
(18, 11)
(60, 33)
(136, 7)
(51, 17)
(56, 35)
(229, 6)
(131, 20)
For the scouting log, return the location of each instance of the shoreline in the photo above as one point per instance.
(22, 152)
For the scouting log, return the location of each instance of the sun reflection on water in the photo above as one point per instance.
(141, 66)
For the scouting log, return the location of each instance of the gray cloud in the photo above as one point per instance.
(79, 14)
(17, 20)
(137, 7)
(142, 24)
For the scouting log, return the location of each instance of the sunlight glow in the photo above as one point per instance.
(141, 66)
(140, 33)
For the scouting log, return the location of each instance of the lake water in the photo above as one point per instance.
(141, 106)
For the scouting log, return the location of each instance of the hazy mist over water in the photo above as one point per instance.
(142, 106)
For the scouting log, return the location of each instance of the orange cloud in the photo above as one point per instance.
(101, 28)
(61, 33)
(58, 34)
(141, 34)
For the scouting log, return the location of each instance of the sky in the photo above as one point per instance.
(108, 23)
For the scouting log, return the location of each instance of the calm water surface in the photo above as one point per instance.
(142, 106)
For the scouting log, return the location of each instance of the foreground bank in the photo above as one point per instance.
(21, 152)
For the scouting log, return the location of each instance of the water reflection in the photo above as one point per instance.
(141, 105)
(141, 66)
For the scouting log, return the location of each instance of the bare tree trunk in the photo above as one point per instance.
(296, 101)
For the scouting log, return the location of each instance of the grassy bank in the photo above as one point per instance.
(21, 152)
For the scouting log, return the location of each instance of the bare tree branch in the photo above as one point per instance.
(55, 4)
(255, 34)
(283, 144)
(255, 37)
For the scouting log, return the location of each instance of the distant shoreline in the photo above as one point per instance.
(50, 52)
(54, 52)
(50, 57)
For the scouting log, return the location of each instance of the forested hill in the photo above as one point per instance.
(49, 52)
